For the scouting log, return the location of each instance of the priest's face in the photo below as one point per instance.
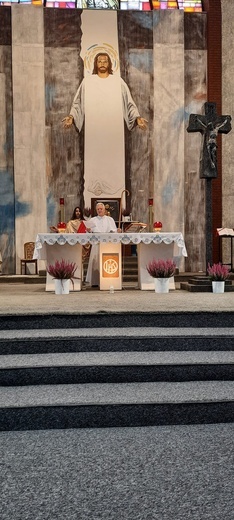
(100, 210)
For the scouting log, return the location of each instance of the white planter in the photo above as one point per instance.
(62, 286)
(161, 285)
(218, 287)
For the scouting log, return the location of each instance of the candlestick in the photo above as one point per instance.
(151, 214)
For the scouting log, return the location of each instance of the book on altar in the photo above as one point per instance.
(135, 227)
(225, 231)
(82, 228)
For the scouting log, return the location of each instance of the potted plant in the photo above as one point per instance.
(161, 271)
(63, 274)
(218, 273)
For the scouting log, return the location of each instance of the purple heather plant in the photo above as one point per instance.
(161, 268)
(62, 270)
(218, 272)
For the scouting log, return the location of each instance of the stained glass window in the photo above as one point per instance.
(185, 5)
(142, 5)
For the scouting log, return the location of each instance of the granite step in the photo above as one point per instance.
(129, 271)
(115, 405)
(117, 367)
(202, 286)
(115, 339)
(205, 280)
(124, 319)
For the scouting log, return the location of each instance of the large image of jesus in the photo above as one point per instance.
(103, 100)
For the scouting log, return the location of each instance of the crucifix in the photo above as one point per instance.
(209, 125)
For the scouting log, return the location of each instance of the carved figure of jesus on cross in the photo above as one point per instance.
(210, 125)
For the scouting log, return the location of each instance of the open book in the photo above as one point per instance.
(135, 227)
(225, 231)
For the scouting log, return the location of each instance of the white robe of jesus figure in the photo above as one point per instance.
(103, 103)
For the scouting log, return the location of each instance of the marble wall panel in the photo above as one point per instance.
(29, 124)
(195, 95)
(194, 200)
(168, 127)
(65, 150)
(27, 26)
(139, 142)
(135, 31)
(4, 122)
(7, 196)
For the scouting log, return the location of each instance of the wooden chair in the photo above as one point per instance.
(28, 257)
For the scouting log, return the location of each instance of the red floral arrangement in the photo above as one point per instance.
(161, 268)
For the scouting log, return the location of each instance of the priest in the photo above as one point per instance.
(99, 224)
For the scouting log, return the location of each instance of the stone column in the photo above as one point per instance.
(3, 162)
(29, 124)
(168, 126)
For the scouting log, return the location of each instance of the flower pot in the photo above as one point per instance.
(62, 286)
(161, 285)
(218, 287)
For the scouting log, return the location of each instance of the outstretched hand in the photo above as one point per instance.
(67, 121)
(142, 123)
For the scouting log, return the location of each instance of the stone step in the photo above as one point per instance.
(117, 339)
(130, 269)
(67, 321)
(198, 280)
(203, 287)
(115, 405)
(25, 279)
(117, 367)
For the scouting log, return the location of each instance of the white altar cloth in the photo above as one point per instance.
(96, 238)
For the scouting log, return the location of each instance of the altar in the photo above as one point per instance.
(68, 246)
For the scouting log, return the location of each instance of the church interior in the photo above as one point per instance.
(116, 404)
(174, 57)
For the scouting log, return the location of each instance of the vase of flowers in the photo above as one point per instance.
(218, 273)
(63, 274)
(161, 271)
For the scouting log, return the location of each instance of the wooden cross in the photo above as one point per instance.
(209, 125)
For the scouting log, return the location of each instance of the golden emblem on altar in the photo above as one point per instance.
(110, 265)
